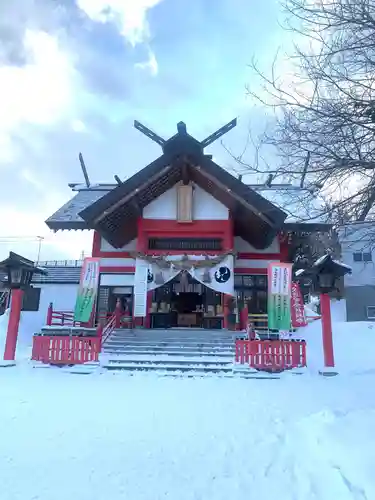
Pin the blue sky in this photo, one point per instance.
(75, 74)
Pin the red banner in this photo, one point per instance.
(297, 307)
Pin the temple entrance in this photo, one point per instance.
(185, 303)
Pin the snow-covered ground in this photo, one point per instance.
(91, 437)
(116, 436)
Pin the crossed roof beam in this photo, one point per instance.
(181, 129)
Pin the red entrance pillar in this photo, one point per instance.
(118, 313)
(244, 317)
(325, 311)
(14, 321)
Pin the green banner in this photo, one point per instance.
(87, 291)
(279, 296)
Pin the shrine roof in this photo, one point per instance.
(67, 217)
(126, 201)
(113, 209)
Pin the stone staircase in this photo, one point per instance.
(185, 351)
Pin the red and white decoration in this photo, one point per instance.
(297, 309)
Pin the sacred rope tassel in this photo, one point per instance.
(184, 282)
(206, 276)
(159, 280)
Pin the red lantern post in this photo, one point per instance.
(13, 325)
(20, 272)
(325, 311)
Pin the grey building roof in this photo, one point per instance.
(67, 272)
(83, 199)
(300, 204)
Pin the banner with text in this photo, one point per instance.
(140, 288)
(88, 289)
(279, 296)
(298, 308)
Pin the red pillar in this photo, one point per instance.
(147, 321)
(49, 314)
(118, 313)
(14, 321)
(244, 317)
(96, 244)
(325, 311)
(226, 311)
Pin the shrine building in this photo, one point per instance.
(182, 242)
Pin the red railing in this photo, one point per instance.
(60, 318)
(60, 350)
(105, 330)
(271, 355)
(66, 318)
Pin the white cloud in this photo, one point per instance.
(32, 179)
(130, 15)
(78, 126)
(150, 65)
(41, 92)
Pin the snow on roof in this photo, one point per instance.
(56, 274)
(342, 264)
(300, 204)
(93, 187)
(325, 257)
(357, 231)
(83, 199)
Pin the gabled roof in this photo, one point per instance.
(67, 217)
(114, 210)
(115, 214)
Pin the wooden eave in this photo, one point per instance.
(115, 215)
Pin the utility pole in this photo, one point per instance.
(40, 240)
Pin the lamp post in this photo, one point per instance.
(325, 272)
(20, 272)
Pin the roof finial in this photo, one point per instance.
(181, 128)
(149, 133)
(216, 135)
(84, 170)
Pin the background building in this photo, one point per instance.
(357, 246)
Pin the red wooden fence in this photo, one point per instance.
(60, 318)
(65, 350)
(271, 355)
(105, 330)
(66, 318)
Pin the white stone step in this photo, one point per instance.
(171, 341)
(175, 334)
(185, 351)
(175, 367)
(163, 358)
(169, 352)
(166, 333)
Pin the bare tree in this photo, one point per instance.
(324, 126)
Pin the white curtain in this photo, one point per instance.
(140, 288)
(220, 277)
(155, 273)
